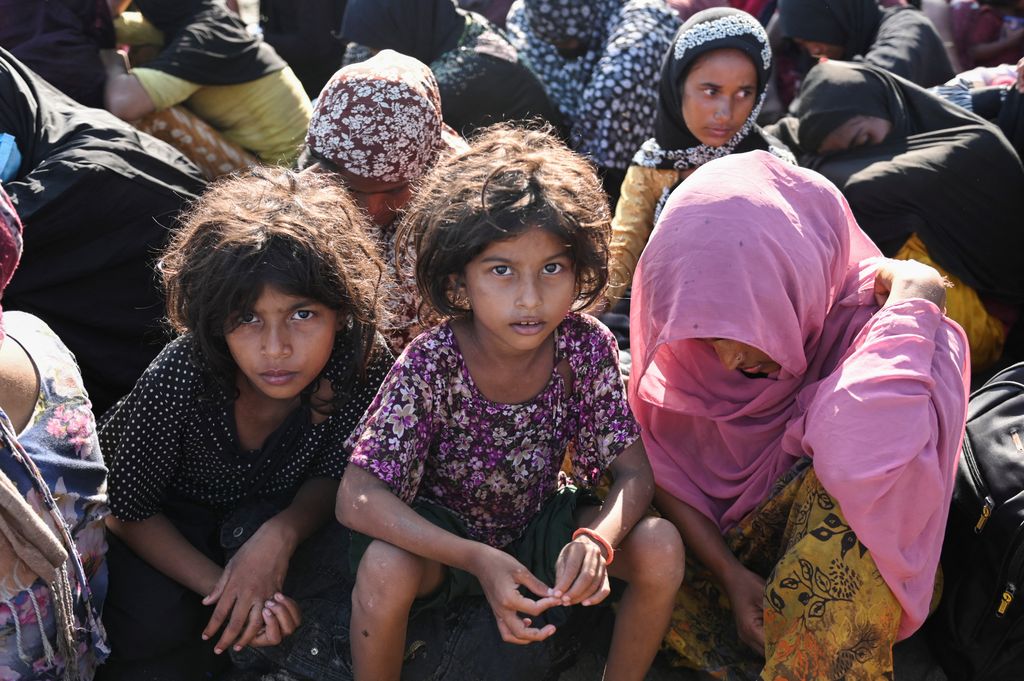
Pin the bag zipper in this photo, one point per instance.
(1012, 580)
(1013, 572)
(980, 487)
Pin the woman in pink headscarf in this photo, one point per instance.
(802, 402)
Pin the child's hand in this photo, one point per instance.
(501, 575)
(581, 575)
(745, 590)
(250, 578)
(281, 617)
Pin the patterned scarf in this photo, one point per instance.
(381, 119)
(673, 144)
(30, 549)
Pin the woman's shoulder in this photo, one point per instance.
(39, 340)
(62, 424)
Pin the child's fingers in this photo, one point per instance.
(601, 591)
(568, 567)
(530, 581)
(284, 617)
(220, 613)
(587, 578)
(236, 624)
(530, 606)
(283, 602)
(271, 634)
(252, 627)
(515, 629)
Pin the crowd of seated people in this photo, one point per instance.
(380, 339)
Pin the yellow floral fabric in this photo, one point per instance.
(828, 614)
(985, 333)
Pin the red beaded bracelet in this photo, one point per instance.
(602, 542)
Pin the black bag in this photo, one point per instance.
(977, 633)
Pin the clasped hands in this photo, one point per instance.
(581, 577)
(249, 603)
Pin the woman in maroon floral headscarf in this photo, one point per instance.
(378, 126)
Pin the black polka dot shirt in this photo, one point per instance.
(173, 437)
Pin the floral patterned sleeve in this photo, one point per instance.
(394, 437)
(606, 424)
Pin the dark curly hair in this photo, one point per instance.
(302, 234)
(511, 179)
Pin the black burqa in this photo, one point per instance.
(61, 41)
(96, 198)
(478, 71)
(901, 40)
(206, 44)
(944, 173)
(305, 34)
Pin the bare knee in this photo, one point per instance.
(655, 554)
(388, 577)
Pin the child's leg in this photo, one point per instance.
(388, 581)
(650, 560)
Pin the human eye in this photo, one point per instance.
(246, 318)
(501, 270)
(710, 91)
(553, 268)
(303, 314)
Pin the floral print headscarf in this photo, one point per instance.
(10, 245)
(380, 119)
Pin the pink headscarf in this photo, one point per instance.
(755, 250)
(380, 119)
(10, 245)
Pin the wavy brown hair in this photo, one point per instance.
(511, 179)
(299, 233)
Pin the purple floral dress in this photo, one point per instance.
(65, 457)
(431, 434)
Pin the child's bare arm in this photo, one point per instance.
(367, 505)
(158, 542)
(257, 571)
(581, 576)
(744, 588)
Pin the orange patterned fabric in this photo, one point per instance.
(828, 612)
(198, 140)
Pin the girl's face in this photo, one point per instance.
(282, 344)
(718, 95)
(519, 290)
(740, 356)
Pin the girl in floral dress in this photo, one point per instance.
(455, 477)
(53, 577)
